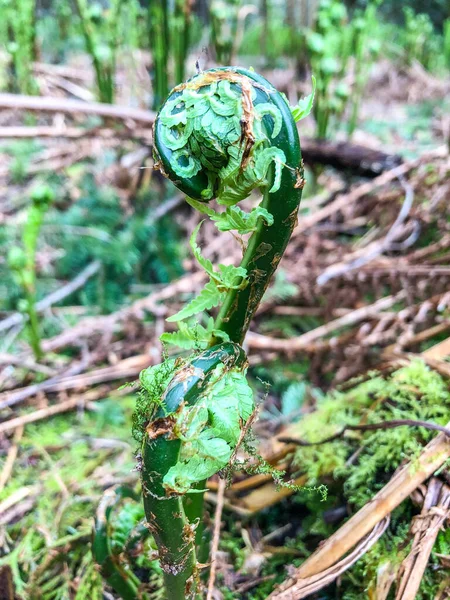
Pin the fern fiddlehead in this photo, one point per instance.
(221, 135)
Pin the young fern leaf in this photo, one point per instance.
(210, 430)
(209, 297)
(234, 218)
(203, 262)
(304, 105)
(227, 278)
(190, 337)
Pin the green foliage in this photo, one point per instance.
(226, 278)
(272, 38)
(193, 335)
(447, 42)
(210, 429)
(202, 127)
(418, 38)
(22, 261)
(224, 28)
(330, 46)
(131, 250)
(104, 30)
(304, 105)
(413, 392)
(171, 28)
(48, 549)
(101, 51)
(234, 218)
(154, 381)
(18, 36)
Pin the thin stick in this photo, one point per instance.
(255, 340)
(312, 584)
(56, 409)
(90, 325)
(376, 248)
(47, 131)
(11, 457)
(58, 105)
(426, 528)
(128, 367)
(216, 538)
(343, 201)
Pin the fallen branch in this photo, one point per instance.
(62, 407)
(425, 527)
(46, 131)
(346, 156)
(91, 325)
(369, 427)
(377, 248)
(61, 105)
(129, 367)
(342, 202)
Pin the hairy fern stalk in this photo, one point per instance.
(221, 135)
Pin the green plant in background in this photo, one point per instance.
(221, 135)
(224, 28)
(132, 249)
(365, 46)
(159, 44)
(447, 42)
(421, 40)
(22, 260)
(333, 45)
(169, 36)
(181, 27)
(105, 31)
(417, 37)
(329, 48)
(100, 31)
(18, 36)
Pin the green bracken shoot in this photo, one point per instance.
(19, 33)
(220, 135)
(22, 260)
(100, 30)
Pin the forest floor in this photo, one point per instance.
(352, 331)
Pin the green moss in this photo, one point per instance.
(414, 392)
(154, 381)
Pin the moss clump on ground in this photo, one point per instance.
(358, 464)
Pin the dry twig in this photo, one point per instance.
(216, 538)
(425, 527)
(63, 105)
(11, 457)
(306, 586)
